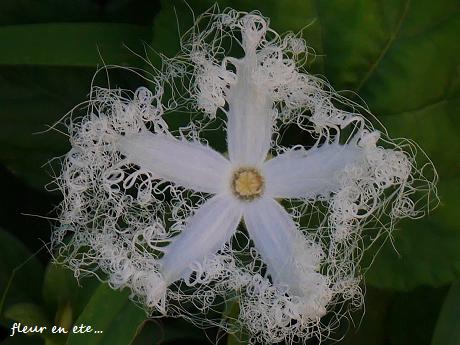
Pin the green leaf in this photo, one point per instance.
(447, 331)
(397, 54)
(176, 331)
(233, 339)
(61, 288)
(66, 297)
(20, 272)
(392, 318)
(28, 313)
(412, 316)
(112, 313)
(427, 249)
(23, 340)
(36, 317)
(49, 11)
(72, 44)
(230, 315)
(367, 328)
(32, 100)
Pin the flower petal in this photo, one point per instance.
(189, 164)
(307, 174)
(206, 232)
(291, 260)
(250, 117)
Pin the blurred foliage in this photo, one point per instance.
(400, 56)
(447, 331)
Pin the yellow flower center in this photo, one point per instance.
(247, 183)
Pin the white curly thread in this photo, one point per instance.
(118, 218)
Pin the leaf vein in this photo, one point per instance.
(387, 46)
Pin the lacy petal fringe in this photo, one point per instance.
(152, 209)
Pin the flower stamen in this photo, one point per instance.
(247, 183)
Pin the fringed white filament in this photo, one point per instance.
(123, 186)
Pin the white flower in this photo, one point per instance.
(159, 213)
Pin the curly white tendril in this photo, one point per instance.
(277, 229)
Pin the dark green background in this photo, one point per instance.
(402, 59)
